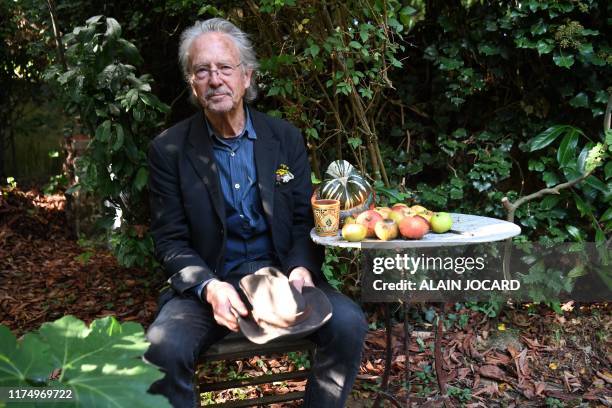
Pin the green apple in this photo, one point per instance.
(441, 222)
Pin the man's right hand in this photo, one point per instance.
(224, 301)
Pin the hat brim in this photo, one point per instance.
(320, 313)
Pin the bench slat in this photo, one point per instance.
(237, 348)
(265, 401)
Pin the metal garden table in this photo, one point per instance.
(467, 229)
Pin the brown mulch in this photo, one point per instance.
(529, 356)
(45, 274)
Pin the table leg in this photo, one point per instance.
(384, 391)
(407, 337)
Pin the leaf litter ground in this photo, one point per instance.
(529, 356)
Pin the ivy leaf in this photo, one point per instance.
(545, 46)
(355, 142)
(102, 363)
(25, 362)
(580, 101)
(550, 178)
(488, 50)
(564, 61)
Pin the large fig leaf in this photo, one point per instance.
(102, 363)
(25, 362)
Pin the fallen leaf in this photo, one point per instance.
(494, 372)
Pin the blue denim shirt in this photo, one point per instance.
(248, 237)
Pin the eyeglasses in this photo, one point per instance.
(205, 71)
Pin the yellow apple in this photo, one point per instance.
(354, 232)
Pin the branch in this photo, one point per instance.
(511, 207)
(608, 114)
(58, 39)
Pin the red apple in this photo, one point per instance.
(413, 227)
(368, 219)
(398, 206)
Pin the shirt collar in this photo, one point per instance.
(249, 130)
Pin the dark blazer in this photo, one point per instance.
(188, 210)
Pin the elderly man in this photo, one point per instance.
(230, 193)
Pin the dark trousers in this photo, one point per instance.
(185, 327)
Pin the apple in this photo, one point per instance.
(384, 211)
(368, 219)
(407, 212)
(413, 227)
(426, 214)
(349, 220)
(386, 230)
(418, 209)
(398, 206)
(354, 232)
(441, 222)
(396, 215)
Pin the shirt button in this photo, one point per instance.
(232, 154)
(236, 186)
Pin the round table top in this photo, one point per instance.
(467, 229)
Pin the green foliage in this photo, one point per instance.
(55, 184)
(451, 106)
(300, 359)
(101, 363)
(464, 395)
(100, 86)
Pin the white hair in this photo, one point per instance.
(246, 52)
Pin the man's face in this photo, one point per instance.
(211, 55)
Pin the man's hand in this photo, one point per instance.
(225, 303)
(300, 277)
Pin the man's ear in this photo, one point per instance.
(248, 75)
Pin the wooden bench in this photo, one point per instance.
(235, 347)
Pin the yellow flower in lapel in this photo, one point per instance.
(283, 175)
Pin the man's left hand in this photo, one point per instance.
(300, 277)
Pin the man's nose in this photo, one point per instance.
(215, 79)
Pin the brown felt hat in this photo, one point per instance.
(278, 309)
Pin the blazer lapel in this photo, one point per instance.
(201, 156)
(266, 161)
